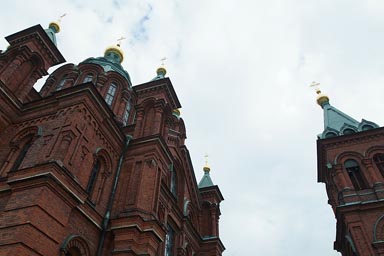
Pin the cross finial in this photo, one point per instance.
(61, 17)
(206, 159)
(119, 40)
(162, 60)
(316, 86)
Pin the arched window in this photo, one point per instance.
(126, 113)
(88, 78)
(93, 176)
(354, 172)
(110, 94)
(61, 84)
(169, 241)
(379, 161)
(22, 154)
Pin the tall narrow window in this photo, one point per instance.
(22, 154)
(60, 85)
(126, 113)
(93, 176)
(110, 94)
(173, 185)
(169, 240)
(354, 172)
(379, 161)
(88, 78)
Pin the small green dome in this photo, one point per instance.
(111, 61)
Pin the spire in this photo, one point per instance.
(54, 28)
(114, 53)
(337, 122)
(206, 180)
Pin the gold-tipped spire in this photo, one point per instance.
(206, 167)
(55, 25)
(321, 98)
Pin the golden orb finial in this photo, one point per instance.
(321, 98)
(161, 71)
(206, 167)
(176, 112)
(114, 52)
(55, 25)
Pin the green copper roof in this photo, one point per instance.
(206, 180)
(338, 123)
(110, 62)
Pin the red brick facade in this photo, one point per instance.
(84, 174)
(350, 167)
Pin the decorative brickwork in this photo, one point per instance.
(83, 174)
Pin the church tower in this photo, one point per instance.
(351, 164)
(94, 165)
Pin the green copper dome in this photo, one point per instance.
(111, 61)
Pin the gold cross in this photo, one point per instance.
(162, 60)
(119, 40)
(314, 84)
(61, 17)
(206, 159)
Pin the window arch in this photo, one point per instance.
(19, 147)
(379, 161)
(88, 78)
(355, 175)
(111, 94)
(74, 245)
(61, 84)
(100, 171)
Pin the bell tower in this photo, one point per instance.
(351, 164)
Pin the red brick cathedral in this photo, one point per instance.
(351, 164)
(92, 165)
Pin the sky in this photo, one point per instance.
(242, 71)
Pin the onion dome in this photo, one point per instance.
(160, 73)
(321, 99)
(111, 61)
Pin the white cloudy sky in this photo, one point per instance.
(241, 70)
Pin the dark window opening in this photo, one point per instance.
(93, 176)
(22, 153)
(354, 172)
(169, 241)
